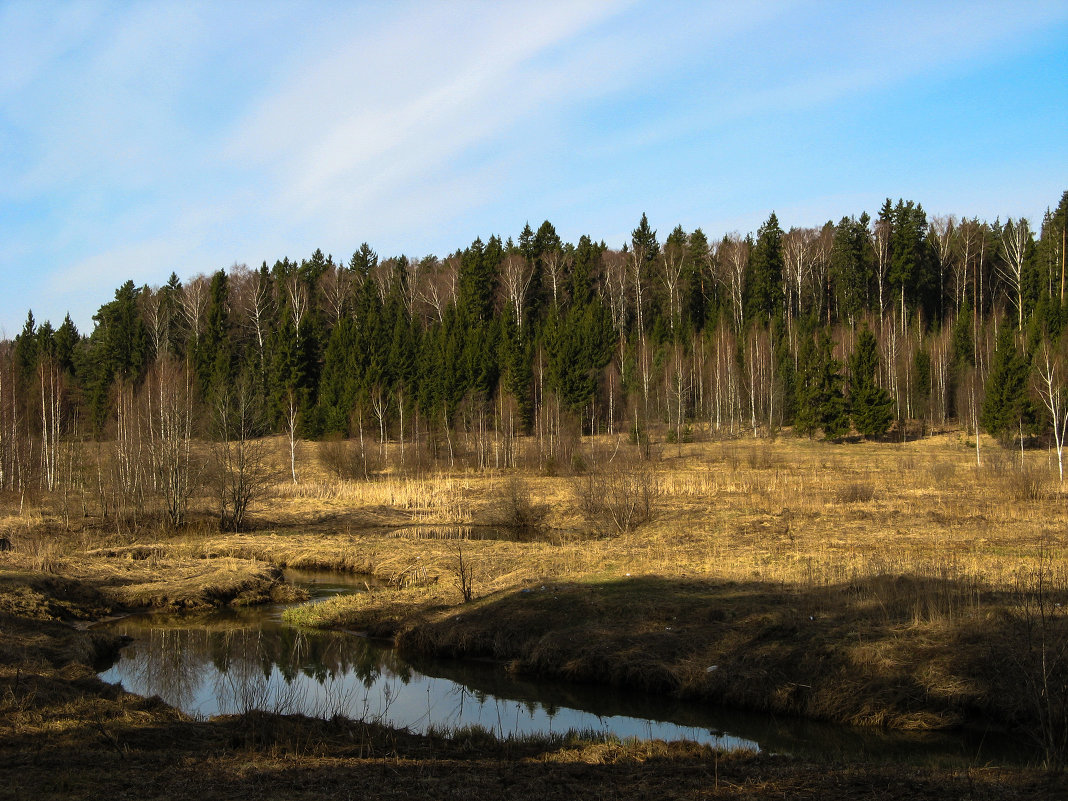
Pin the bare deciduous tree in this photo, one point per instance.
(671, 261)
(798, 246)
(242, 469)
(1014, 240)
(439, 289)
(194, 303)
(732, 259)
(252, 298)
(555, 264)
(944, 231)
(880, 239)
(516, 274)
(1049, 383)
(336, 286)
(168, 403)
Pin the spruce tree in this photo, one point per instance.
(871, 405)
(763, 286)
(643, 241)
(820, 403)
(1005, 407)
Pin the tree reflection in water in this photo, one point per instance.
(231, 663)
(237, 661)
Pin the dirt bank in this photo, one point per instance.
(64, 734)
(830, 653)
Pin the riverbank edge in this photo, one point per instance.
(747, 646)
(69, 735)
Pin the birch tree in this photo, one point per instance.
(732, 259)
(1014, 238)
(1049, 382)
(516, 274)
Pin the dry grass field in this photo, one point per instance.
(885, 584)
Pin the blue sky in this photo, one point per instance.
(142, 138)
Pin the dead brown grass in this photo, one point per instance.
(66, 735)
(912, 544)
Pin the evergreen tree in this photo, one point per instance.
(26, 350)
(871, 405)
(585, 260)
(763, 286)
(580, 345)
(363, 261)
(852, 267)
(912, 262)
(118, 349)
(785, 374)
(213, 354)
(643, 241)
(66, 341)
(1005, 408)
(477, 281)
(698, 285)
(820, 403)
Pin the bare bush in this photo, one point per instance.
(348, 459)
(618, 498)
(763, 458)
(335, 456)
(463, 571)
(1028, 484)
(1039, 649)
(514, 508)
(855, 492)
(242, 470)
(942, 472)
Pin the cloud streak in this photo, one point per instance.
(140, 139)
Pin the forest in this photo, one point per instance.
(892, 325)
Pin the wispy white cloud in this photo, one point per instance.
(136, 139)
(360, 125)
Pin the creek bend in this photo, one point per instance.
(237, 660)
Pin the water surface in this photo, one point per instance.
(236, 660)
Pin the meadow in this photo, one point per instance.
(891, 584)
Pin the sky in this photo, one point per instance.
(143, 138)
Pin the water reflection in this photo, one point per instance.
(220, 664)
(235, 661)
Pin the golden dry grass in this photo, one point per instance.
(787, 511)
(904, 547)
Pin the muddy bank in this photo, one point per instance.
(825, 653)
(97, 583)
(64, 734)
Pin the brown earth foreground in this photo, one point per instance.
(894, 586)
(64, 734)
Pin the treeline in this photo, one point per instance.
(860, 325)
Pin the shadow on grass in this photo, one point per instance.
(899, 652)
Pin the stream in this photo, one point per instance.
(237, 660)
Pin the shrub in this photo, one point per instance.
(856, 492)
(515, 509)
(347, 460)
(616, 499)
(1028, 484)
